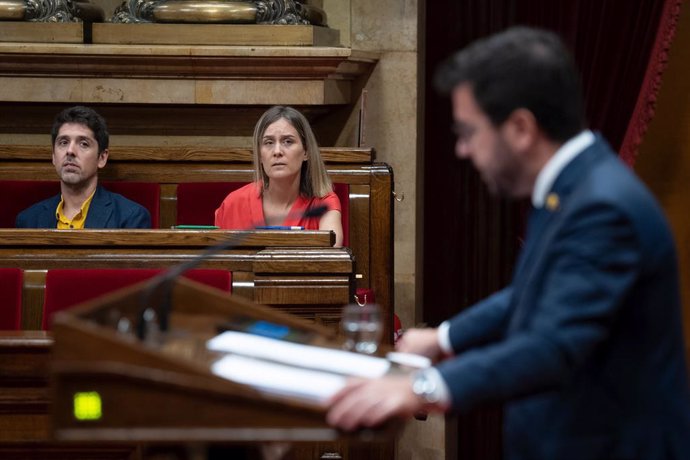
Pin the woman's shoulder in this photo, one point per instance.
(330, 200)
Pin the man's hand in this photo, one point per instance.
(368, 403)
(421, 342)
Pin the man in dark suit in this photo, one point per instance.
(585, 345)
(80, 148)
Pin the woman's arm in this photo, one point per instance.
(331, 221)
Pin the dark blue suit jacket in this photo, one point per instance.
(586, 343)
(107, 210)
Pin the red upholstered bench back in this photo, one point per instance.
(198, 201)
(146, 194)
(11, 280)
(343, 192)
(68, 287)
(17, 195)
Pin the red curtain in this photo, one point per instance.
(620, 47)
(647, 96)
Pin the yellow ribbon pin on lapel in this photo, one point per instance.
(552, 202)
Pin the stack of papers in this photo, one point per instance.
(286, 368)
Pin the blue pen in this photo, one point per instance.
(279, 227)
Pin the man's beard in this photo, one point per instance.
(71, 178)
(504, 179)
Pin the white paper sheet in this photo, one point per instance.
(408, 359)
(305, 356)
(278, 378)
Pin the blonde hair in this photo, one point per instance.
(314, 180)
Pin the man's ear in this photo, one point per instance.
(521, 130)
(102, 159)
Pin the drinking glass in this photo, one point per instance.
(362, 327)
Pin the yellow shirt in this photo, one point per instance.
(63, 223)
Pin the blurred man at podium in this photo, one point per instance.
(585, 345)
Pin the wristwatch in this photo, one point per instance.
(425, 387)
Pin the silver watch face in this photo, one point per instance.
(424, 387)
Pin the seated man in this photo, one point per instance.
(80, 149)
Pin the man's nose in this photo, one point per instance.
(71, 148)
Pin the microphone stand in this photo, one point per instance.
(165, 280)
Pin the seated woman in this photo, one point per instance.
(289, 179)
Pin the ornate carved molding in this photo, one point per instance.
(280, 12)
(293, 12)
(134, 11)
(50, 11)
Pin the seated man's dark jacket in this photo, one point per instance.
(107, 210)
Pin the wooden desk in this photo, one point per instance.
(25, 401)
(298, 272)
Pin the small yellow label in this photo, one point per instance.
(87, 405)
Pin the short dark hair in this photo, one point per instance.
(84, 116)
(520, 68)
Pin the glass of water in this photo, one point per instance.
(362, 327)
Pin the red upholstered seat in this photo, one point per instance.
(68, 287)
(147, 194)
(11, 280)
(17, 195)
(198, 201)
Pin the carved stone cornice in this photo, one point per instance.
(232, 62)
(168, 74)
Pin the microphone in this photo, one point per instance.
(164, 282)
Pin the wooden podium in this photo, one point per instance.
(110, 386)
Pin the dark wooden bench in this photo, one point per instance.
(370, 219)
